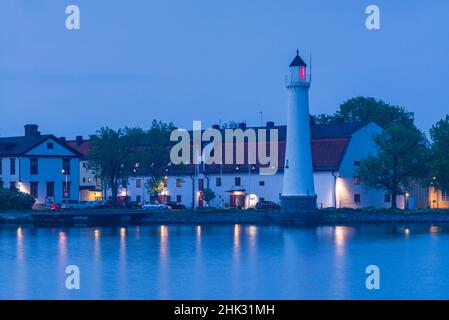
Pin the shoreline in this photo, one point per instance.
(140, 217)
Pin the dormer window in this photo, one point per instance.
(50, 146)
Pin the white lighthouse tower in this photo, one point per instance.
(298, 194)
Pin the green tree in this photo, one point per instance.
(368, 109)
(154, 157)
(439, 159)
(400, 161)
(154, 187)
(208, 195)
(112, 155)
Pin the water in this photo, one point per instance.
(225, 262)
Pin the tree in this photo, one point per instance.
(154, 156)
(401, 160)
(112, 155)
(208, 195)
(439, 159)
(154, 187)
(366, 109)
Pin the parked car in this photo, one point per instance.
(154, 206)
(263, 205)
(99, 204)
(78, 205)
(175, 205)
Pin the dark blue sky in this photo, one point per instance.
(179, 61)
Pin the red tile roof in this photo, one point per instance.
(82, 148)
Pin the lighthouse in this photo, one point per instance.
(298, 192)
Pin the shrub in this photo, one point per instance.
(13, 199)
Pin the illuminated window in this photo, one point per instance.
(445, 196)
(302, 73)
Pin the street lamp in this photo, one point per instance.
(66, 193)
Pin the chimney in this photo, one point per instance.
(62, 139)
(242, 125)
(270, 124)
(31, 130)
(216, 126)
(79, 140)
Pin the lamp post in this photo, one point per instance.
(66, 193)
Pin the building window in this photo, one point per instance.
(302, 72)
(200, 184)
(356, 163)
(33, 189)
(66, 166)
(445, 196)
(387, 197)
(357, 198)
(50, 189)
(357, 180)
(178, 183)
(139, 199)
(138, 183)
(66, 189)
(34, 167)
(178, 198)
(12, 185)
(261, 183)
(50, 146)
(218, 182)
(237, 181)
(12, 166)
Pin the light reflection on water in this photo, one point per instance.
(225, 262)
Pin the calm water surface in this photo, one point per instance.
(225, 262)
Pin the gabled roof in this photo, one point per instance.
(19, 146)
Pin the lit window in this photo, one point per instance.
(302, 73)
(445, 196)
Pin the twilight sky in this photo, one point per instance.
(210, 60)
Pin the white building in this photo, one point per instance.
(90, 188)
(336, 152)
(41, 165)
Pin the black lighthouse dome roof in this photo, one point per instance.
(298, 62)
